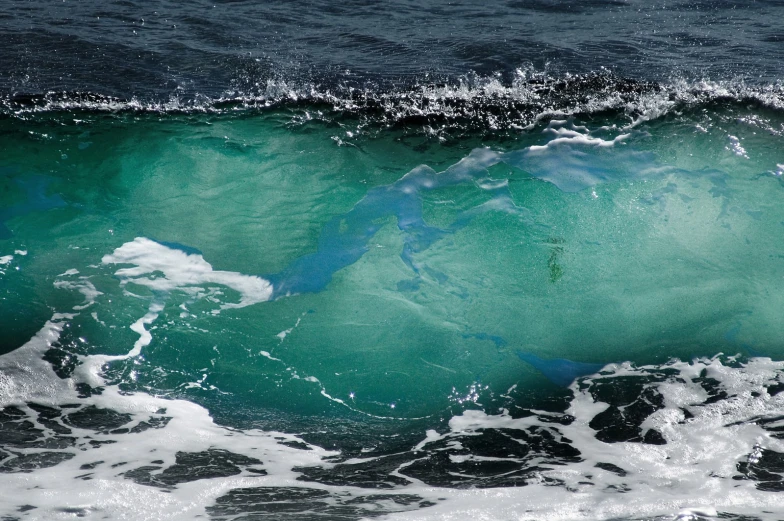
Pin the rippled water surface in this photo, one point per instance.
(517, 261)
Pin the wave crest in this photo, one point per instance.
(471, 103)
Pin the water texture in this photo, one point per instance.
(517, 261)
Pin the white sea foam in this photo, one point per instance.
(181, 270)
(83, 285)
(574, 159)
(286, 332)
(530, 97)
(736, 147)
(692, 475)
(101, 476)
(574, 137)
(25, 376)
(59, 492)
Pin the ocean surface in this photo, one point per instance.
(516, 260)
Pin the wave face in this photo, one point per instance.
(323, 325)
(508, 262)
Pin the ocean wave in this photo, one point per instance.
(473, 103)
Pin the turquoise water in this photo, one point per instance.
(610, 244)
(267, 286)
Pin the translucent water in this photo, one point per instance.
(275, 315)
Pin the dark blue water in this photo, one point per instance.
(224, 48)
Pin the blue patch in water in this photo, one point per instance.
(409, 285)
(177, 246)
(34, 187)
(559, 370)
(732, 336)
(344, 239)
(5, 233)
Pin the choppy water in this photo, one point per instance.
(299, 261)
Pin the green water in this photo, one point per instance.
(673, 254)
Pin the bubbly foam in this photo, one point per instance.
(120, 451)
(692, 472)
(470, 102)
(181, 271)
(717, 418)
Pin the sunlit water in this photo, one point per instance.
(471, 287)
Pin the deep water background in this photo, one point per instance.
(165, 49)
